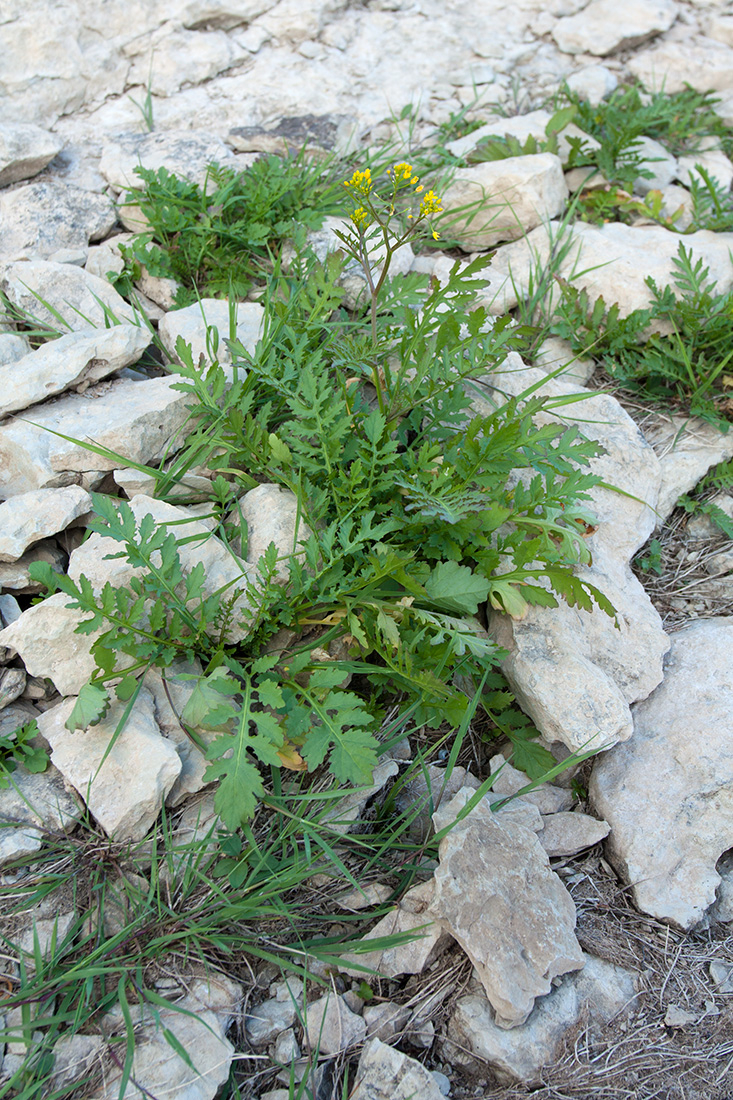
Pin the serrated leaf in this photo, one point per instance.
(207, 706)
(530, 758)
(92, 704)
(456, 587)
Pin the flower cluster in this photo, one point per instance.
(360, 183)
(402, 178)
(361, 218)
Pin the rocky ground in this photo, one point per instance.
(575, 943)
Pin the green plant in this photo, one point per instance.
(651, 561)
(220, 238)
(412, 523)
(719, 479)
(689, 365)
(21, 747)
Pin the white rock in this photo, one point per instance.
(599, 992)
(512, 196)
(657, 160)
(687, 447)
(13, 347)
(12, 685)
(186, 153)
(171, 57)
(271, 516)
(77, 359)
(170, 696)
(25, 150)
(521, 127)
(81, 301)
(555, 353)
(667, 793)
(566, 834)
(32, 805)
(604, 26)
(32, 516)
(385, 1019)
(331, 1026)
(593, 83)
(205, 327)
(495, 894)
(429, 788)
(105, 258)
(224, 14)
(44, 637)
(199, 1022)
(670, 66)
(125, 792)
(387, 1074)
(509, 781)
(42, 63)
(74, 1057)
(677, 205)
(265, 1022)
(715, 163)
(41, 218)
(16, 575)
(408, 958)
(136, 420)
(613, 261)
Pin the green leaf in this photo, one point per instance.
(92, 704)
(456, 587)
(531, 758)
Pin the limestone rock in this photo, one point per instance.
(687, 447)
(427, 790)
(658, 161)
(385, 1019)
(521, 127)
(667, 793)
(387, 1074)
(127, 791)
(199, 1022)
(223, 14)
(171, 57)
(613, 261)
(509, 781)
(702, 63)
(408, 958)
(77, 359)
(16, 575)
(136, 420)
(265, 1022)
(44, 637)
(566, 834)
(105, 258)
(74, 1057)
(495, 894)
(25, 150)
(594, 83)
(512, 196)
(598, 993)
(376, 893)
(32, 516)
(12, 685)
(33, 804)
(186, 153)
(13, 347)
(331, 1026)
(604, 26)
(78, 298)
(42, 218)
(42, 64)
(715, 163)
(192, 323)
(271, 515)
(557, 354)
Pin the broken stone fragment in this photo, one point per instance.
(387, 1074)
(566, 833)
(29, 517)
(597, 993)
(331, 1026)
(411, 915)
(125, 791)
(496, 894)
(668, 792)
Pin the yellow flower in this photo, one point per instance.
(430, 204)
(361, 182)
(361, 218)
(436, 236)
(419, 189)
(402, 171)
